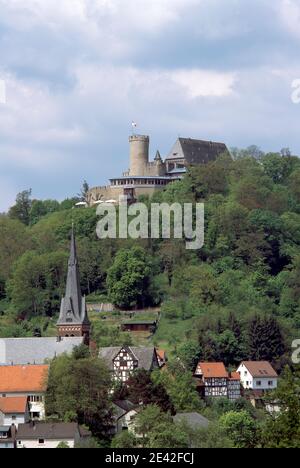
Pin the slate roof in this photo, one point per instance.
(145, 356)
(73, 306)
(13, 405)
(24, 351)
(19, 379)
(123, 407)
(198, 151)
(260, 369)
(50, 431)
(193, 420)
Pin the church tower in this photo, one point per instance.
(73, 318)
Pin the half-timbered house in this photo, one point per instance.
(213, 379)
(122, 362)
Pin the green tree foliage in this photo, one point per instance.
(15, 240)
(21, 210)
(282, 430)
(180, 386)
(266, 342)
(157, 430)
(240, 428)
(41, 208)
(129, 278)
(37, 284)
(78, 388)
(141, 388)
(124, 440)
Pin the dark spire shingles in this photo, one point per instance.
(73, 306)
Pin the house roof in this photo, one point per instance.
(50, 431)
(235, 376)
(18, 379)
(194, 420)
(198, 151)
(161, 353)
(136, 322)
(144, 356)
(213, 370)
(261, 369)
(13, 405)
(24, 351)
(123, 407)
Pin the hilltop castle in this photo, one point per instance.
(145, 177)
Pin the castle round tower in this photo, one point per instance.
(139, 155)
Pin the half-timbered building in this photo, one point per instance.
(122, 362)
(213, 379)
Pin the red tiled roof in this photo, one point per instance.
(235, 376)
(13, 405)
(15, 379)
(161, 354)
(260, 369)
(213, 370)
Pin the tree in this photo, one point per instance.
(63, 445)
(124, 440)
(142, 389)
(266, 341)
(130, 277)
(41, 208)
(15, 240)
(84, 191)
(80, 387)
(180, 386)
(168, 436)
(21, 210)
(189, 354)
(37, 284)
(241, 428)
(282, 429)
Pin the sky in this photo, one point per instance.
(74, 74)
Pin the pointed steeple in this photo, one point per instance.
(73, 318)
(158, 157)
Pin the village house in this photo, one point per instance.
(7, 437)
(27, 382)
(162, 357)
(50, 435)
(122, 362)
(213, 381)
(258, 375)
(14, 410)
(124, 415)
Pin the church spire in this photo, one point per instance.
(73, 318)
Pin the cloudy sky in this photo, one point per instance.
(77, 72)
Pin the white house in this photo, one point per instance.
(258, 375)
(26, 381)
(50, 435)
(125, 413)
(14, 410)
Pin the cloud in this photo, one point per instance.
(77, 72)
(205, 83)
(289, 12)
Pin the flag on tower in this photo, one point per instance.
(134, 124)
